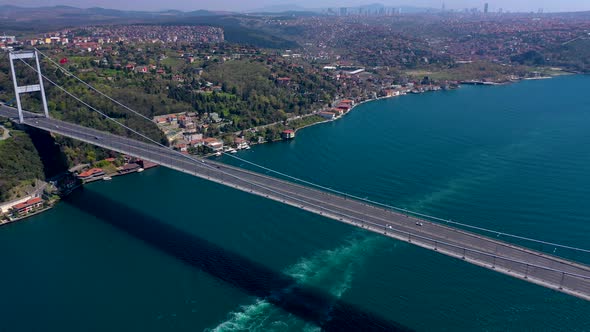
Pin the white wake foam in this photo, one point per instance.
(328, 269)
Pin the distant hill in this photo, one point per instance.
(14, 18)
(404, 9)
(296, 10)
(279, 9)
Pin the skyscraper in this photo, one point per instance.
(485, 8)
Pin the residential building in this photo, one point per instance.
(28, 206)
(214, 144)
(91, 174)
(288, 134)
(327, 115)
(240, 143)
(129, 168)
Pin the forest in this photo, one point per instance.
(20, 162)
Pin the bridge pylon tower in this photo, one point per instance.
(18, 90)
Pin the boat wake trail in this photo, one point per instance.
(332, 270)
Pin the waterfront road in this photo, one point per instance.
(530, 265)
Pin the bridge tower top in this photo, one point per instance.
(18, 90)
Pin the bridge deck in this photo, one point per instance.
(533, 266)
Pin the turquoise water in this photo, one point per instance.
(162, 250)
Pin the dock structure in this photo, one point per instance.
(524, 263)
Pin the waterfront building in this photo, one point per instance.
(344, 107)
(338, 111)
(214, 144)
(327, 115)
(240, 143)
(129, 168)
(91, 174)
(26, 207)
(288, 134)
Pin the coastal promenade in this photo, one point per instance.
(520, 262)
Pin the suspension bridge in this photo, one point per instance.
(442, 236)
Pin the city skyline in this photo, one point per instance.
(235, 5)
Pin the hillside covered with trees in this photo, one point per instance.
(20, 164)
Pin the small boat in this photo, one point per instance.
(218, 154)
(107, 178)
(233, 151)
(139, 170)
(247, 147)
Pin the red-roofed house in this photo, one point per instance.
(284, 80)
(181, 146)
(28, 206)
(327, 115)
(128, 168)
(240, 143)
(288, 134)
(91, 174)
(337, 111)
(214, 144)
(343, 106)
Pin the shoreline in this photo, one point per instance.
(7, 220)
(15, 220)
(471, 82)
(388, 97)
(278, 140)
(349, 111)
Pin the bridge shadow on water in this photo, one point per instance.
(309, 303)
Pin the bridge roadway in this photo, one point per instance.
(530, 265)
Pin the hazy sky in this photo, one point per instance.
(240, 5)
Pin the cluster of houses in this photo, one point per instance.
(93, 37)
(330, 37)
(342, 108)
(196, 140)
(185, 130)
(399, 90)
(7, 41)
(173, 125)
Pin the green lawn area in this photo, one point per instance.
(108, 72)
(470, 71)
(418, 73)
(173, 62)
